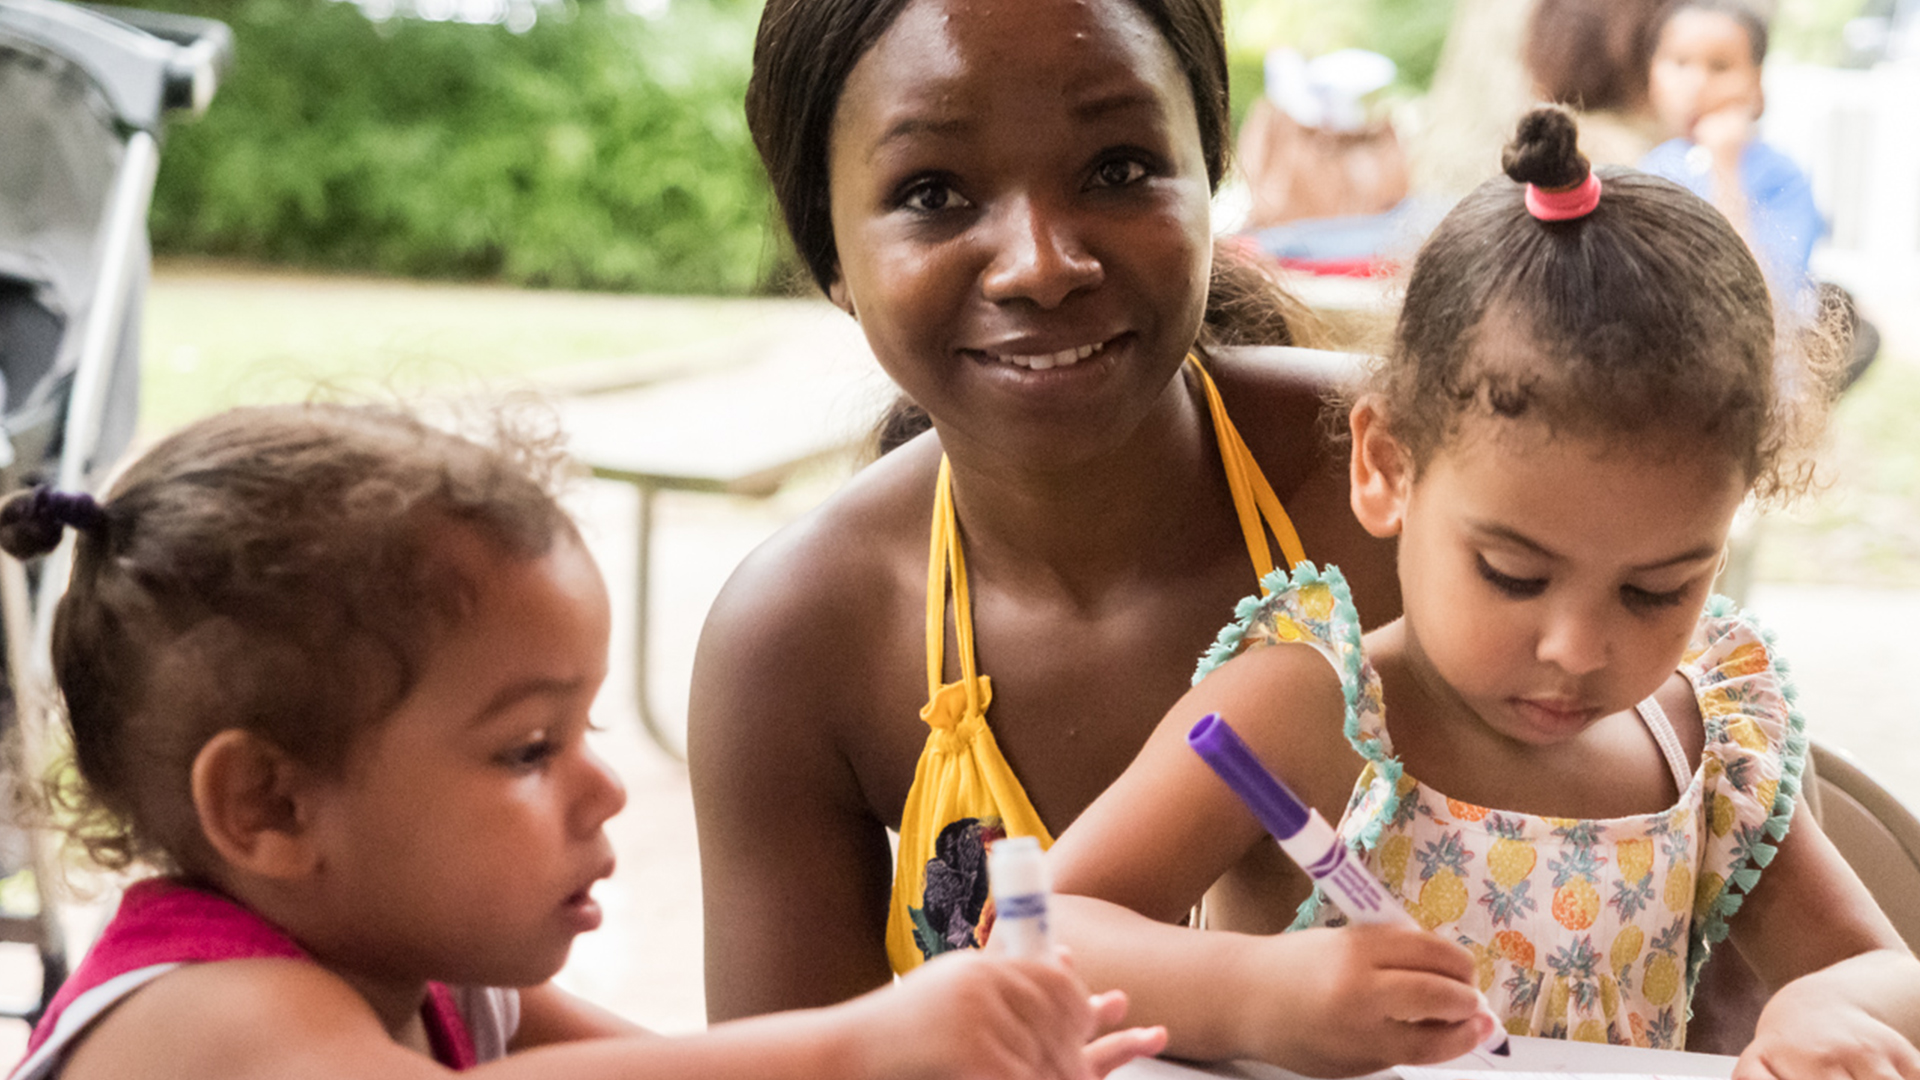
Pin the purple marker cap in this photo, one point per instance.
(1279, 809)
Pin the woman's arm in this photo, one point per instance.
(1322, 1002)
(795, 870)
(1848, 990)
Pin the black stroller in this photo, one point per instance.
(84, 96)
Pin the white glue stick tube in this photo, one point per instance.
(1017, 871)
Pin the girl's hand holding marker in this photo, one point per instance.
(1308, 840)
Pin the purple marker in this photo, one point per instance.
(1305, 836)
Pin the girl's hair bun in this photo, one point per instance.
(32, 522)
(1545, 150)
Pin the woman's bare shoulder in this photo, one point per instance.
(1284, 403)
(809, 661)
(843, 565)
(820, 624)
(1309, 371)
(1279, 398)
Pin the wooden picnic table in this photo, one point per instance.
(769, 407)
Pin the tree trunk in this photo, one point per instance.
(1479, 91)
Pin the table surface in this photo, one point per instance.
(794, 399)
(1529, 1055)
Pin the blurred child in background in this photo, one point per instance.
(1704, 82)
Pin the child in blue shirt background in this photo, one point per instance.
(1704, 82)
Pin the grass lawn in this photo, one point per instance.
(1863, 527)
(218, 336)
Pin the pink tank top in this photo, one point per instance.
(162, 923)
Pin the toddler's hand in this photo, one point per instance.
(1807, 1036)
(1726, 131)
(1109, 1052)
(969, 1016)
(1369, 997)
(1117, 1047)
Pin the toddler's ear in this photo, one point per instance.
(1382, 474)
(246, 791)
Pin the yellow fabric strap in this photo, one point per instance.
(1253, 497)
(964, 793)
(962, 781)
(945, 559)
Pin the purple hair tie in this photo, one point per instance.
(72, 508)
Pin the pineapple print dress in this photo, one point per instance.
(1589, 930)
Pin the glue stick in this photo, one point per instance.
(1017, 872)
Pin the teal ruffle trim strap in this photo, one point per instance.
(1746, 874)
(1254, 622)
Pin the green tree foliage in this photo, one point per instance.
(1811, 31)
(599, 150)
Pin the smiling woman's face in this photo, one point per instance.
(1020, 203)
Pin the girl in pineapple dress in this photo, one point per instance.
(1578, 927)
(1578, 770)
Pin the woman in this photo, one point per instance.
(1013, 202)
(1592, 55)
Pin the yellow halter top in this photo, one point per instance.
(964, 795)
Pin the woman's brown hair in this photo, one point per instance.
(1592, 54)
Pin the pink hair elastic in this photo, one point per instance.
(1567, 204)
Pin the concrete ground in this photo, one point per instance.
(1853, 651)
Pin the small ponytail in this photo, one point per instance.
(32, 522)
(1545, 151)
(1545, 156)
(1646, 312)
(1247, 304)
(902, 422)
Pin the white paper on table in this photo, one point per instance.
(1531, 1059)
(1441, 1072)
